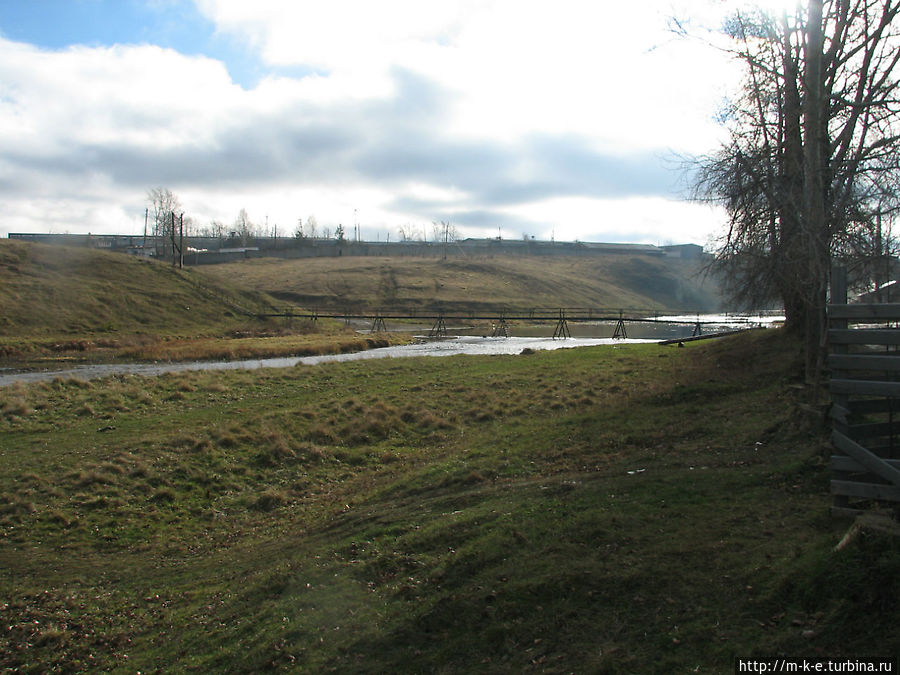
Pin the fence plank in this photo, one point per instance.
(873, 405)
(865, 312)
(865, 387)
(864, 336)
(887, 363)
(872, 430)
(865, 490)
(870, 461)
(845, 463)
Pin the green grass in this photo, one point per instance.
(621, 509)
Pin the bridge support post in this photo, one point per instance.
(620, 333)
(500, 328)
(562, 327)
(378, 324)
(439, 329)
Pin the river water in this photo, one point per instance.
(583, 335)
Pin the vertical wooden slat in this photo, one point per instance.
(839, 297)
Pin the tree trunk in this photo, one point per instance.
(815, 225)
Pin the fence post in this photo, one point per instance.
(838, 297)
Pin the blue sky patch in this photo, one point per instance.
(173, 24)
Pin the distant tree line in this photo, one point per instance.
(163, 204)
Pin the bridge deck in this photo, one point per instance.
(576, 315)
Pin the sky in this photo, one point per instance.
(565, 120)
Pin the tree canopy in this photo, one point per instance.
(809, 173)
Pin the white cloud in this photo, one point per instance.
(609, 70)
(647, 220)
(535, 115)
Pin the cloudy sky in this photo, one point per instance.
(561, 119)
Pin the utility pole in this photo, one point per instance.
(179, 247)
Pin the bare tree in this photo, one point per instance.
(243, 227)
(811, 164)
(190, 226)
(163, 203)
(217, 229)
(444, 233)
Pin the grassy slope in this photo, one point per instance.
(61, 303)
(55, 291)
(613, 281)
(631, 509)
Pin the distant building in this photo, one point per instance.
(683, 251)
(209, 250)
(120, 243)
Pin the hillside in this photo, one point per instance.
(57, 291)
(70, 303)
(62, 304)
(613, 281)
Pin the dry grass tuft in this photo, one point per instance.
(164, 495)
(85, 410)
(225, 440)
(89, 478)
(15, 406)
(270, 500)
(274, 449)
(57, 517)
(13, 505)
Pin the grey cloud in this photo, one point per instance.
(386, 143)
(247, 156)
(492, 173)
(261, 152)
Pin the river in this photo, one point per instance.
(460, 344)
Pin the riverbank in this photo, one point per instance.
(628, 509)
(50, 355)
(376, 346)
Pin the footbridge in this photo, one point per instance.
(500, 318)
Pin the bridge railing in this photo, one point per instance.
(486, 312)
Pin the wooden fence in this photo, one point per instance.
(865, 392)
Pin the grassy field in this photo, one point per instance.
(612, 282)
(631, 509)
(62, 304)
